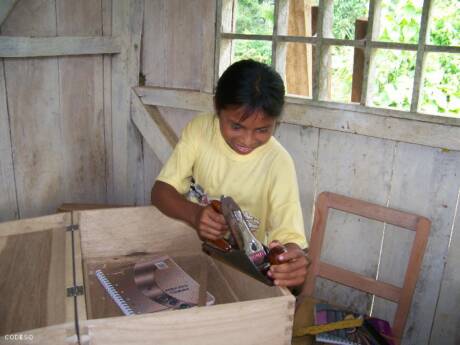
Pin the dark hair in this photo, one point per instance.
(253, 85)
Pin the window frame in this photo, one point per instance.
(224, 37)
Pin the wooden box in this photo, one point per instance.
(49, 295)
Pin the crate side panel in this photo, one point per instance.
(270, 322)
(33, 271)
(17, 227)
(124, 231)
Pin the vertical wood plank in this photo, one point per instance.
(154, 43)
(275, 54)
(373, 23)
(35, 130)
(447, 319)
(136, 164)
(208, 34)
(127, 154)
(183, 51)
(107, 71)
(359, 167)
(358, 62)
(33, 102)
(81, 99)
(417, 84)
(8, 202)
(302, 144)
(226, 21)
(217, 40)
(280, 54)
(425, 181)
(298, 56)
(179, 44)
(178, 51)
(81, 302)
(321, 59)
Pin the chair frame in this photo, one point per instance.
(402, 296)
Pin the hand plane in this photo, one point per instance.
(241, 249)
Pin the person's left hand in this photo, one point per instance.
(293, 267)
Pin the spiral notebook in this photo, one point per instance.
(150, 286)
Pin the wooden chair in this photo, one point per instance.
(402, 296)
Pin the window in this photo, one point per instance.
(397, 54)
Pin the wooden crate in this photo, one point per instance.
(40, 258)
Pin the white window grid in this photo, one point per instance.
(224, 36)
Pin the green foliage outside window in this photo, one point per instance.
(345, 14)
(399, 22)
(441, 78)
(254, 17)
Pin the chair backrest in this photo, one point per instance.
(402, 296)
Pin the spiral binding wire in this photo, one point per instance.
(125, 308)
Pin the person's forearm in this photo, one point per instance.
(174, 205)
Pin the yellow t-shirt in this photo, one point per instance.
(263, 183)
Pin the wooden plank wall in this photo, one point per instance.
(32, 89)
(54, 111)
(410, 177)
(81, 105)
(176, 33)
(63, 136)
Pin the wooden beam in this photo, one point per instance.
(225, 22)
(358, 61)
(368, 52)
(384, 127)
(442, 49)
(369, 210)
(81, 302)
(391, 45)
(107, 62)
(215, 77)
(420, 56)
(200, 101)
(29, 225)
(126, 142)
(322, 78)
(5, 9)
(298, 56)
(183, 99)
(158, 134)
(9, 208)
(20, 47)
(352, 279)
(275, 35)
(279, 48)
(434, 131)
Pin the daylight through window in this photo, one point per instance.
(397, 54)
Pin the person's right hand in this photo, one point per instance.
(210, 224)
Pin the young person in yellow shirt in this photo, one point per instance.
(234, 153)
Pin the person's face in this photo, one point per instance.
(245, 136)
